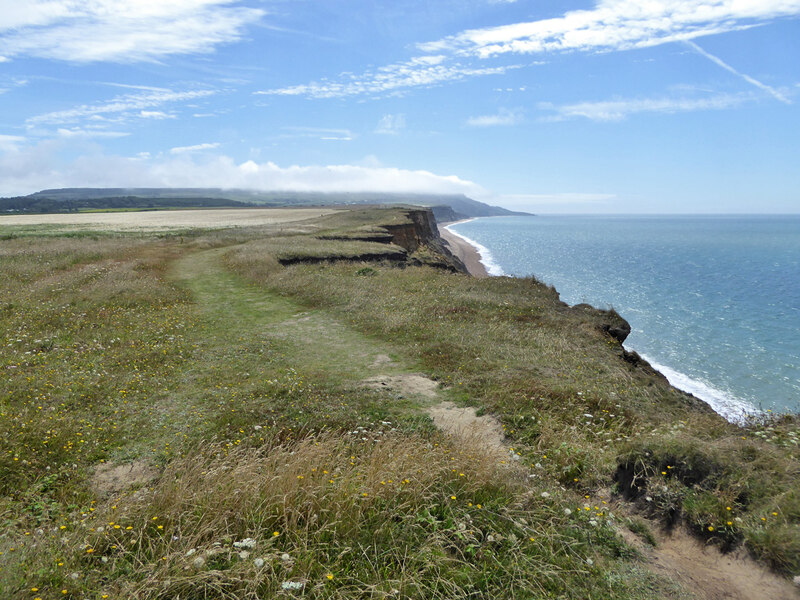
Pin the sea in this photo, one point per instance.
(713, 301)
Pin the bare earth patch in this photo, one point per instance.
(110, 478)
(485, 430)
(710, 574)
(407, 385)
(382, 360)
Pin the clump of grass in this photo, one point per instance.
(401, 517)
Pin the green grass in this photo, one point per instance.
(237, 382)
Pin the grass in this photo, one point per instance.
(236, 382)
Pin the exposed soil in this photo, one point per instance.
(404, 384)
(382, 360)
(708, 573)
(485, 430)
(110, 478)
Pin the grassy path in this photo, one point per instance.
(327, 349)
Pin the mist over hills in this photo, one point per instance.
(447, 207)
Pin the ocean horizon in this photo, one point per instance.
(713, 300)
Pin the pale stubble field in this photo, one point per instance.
(167, 219)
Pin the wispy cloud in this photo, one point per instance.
(619, 109)
(320, 133)
(422, 71)
(119, 30)
(155, 114)
(718, 61)
(195, 148)
(503, 117)
(120, 108)
(616, 25)
(77, 132)
(391, 124)
(10, 142)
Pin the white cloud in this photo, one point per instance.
(155, 114)
(616, 25)
(37, 167)
(119, 30)
(320, 133)
(619, 109)
(391, 124)
(120, 107)
(422, 71)
(195, 148)
(503, 117)
(10, 142)
(77, 132)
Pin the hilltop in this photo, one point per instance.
(447, 207)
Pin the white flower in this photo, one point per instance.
(589, 562)
(545, 495)
(292, 585)
(190, 551)
(259, 562)
(244, 555)
(567, 512)
(199, 562)
(245, 543)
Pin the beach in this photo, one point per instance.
(463, 250)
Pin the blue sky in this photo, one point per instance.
(613, 106)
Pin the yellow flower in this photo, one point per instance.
(452, 497)
(711, 528)
(329, 576)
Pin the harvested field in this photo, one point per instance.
(168, 219)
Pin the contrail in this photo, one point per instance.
(718, 61)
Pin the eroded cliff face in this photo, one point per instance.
(419, 231)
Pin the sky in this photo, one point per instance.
(606, 106)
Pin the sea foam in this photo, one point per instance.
(487, 260)
(733, 409)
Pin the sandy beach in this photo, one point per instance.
(465, 251)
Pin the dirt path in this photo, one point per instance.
(708, 573)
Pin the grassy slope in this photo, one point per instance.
(246, 394)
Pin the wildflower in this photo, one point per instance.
(292, 585)
(245, 543)
(329, 576)
(259, 562)
(452, 497)
(545, 495)
(711, 528)
(275, 534)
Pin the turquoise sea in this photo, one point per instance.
(713, 301)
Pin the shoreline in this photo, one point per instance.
(731, 409)
(463, 250)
